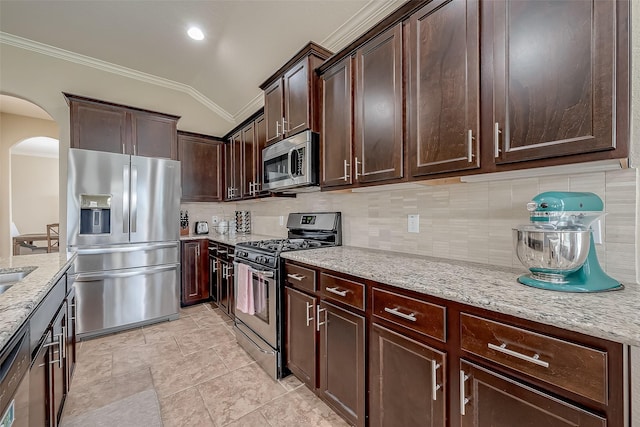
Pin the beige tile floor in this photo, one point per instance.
(188, 372)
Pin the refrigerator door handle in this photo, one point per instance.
(145, 247)
(125, 200)
(91, 277)
(134, 199)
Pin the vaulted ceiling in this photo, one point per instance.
(136, 52)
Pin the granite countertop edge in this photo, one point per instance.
(18, 302)
(609, 315)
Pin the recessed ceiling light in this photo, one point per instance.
(195, 33)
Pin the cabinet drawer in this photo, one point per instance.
(570, 366)
(300, 277)
(423, 317)
(343, 290)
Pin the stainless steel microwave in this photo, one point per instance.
(292, 165)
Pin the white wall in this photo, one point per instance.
(34, 192)
(14, 129)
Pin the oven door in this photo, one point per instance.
(259, 312)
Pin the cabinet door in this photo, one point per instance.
(444, 87)
(300, 339)
(337, 119)
(57, 363)
(223, 291)
(406, 381)
(195, 275)
(70, 339)
(553, 70)
(342, 361)
(483, 391)
(201, 168)
(273, 111)
(297, 105)
(248, 162)
(378, 108)
(153, 135)
(99, 127)
(233, 169)
(261, 142)
(213, 278)
(40, 386)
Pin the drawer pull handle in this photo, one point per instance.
(463, 400)
(396, 312)
(337, 291)
(434, 379)
(297, 277)
(535, 359)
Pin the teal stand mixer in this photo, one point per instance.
(558, 245)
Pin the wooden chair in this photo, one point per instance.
(53, 235)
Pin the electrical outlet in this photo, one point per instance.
(214, 219)
(413, 224)
(281, 220)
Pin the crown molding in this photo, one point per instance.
(370, 14)
(87, 61)
(252, 106)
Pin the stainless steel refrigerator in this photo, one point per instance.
(122, 220)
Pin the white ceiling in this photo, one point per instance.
(20, 107)
(137, 52)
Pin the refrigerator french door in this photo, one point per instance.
(122, 220)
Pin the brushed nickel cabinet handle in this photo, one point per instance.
(357, 173)
(297, 277)
(396, 312)
(470, 139)
(496, 139)
(346, 176)
(535, 359)
(337, 291)
(463, 400)
(318, 322)
(309, 319)
(278, 128)
(434, 379)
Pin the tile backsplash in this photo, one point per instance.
(464, 221)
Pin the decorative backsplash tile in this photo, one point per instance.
(469, 221)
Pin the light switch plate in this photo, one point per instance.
(281, 220)
(413, 223)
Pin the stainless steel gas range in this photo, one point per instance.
(259, 288)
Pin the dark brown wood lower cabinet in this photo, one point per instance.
(195, 271)
(301, 335)
(40, 387)
(494, 400)
(342, 361)
(406, 381)
(57, 363)
(225, 287)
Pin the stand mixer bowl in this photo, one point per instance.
(551, 254)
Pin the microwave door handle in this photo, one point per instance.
(290, 169)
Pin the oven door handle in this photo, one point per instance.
(267, 274)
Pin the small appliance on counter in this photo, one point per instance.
(184, 223)
(558, 245)
(243, 222)
(202, 227)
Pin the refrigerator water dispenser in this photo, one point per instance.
(95, 213)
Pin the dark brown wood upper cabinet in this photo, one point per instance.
(153, 135)
(248, 163)
(444, 88)
(201, 160)
(291, 95)
(378, 108)
(552, 70)
(273, 111)
(260, 142)
(337, 119)
(102, 126)
(233, 167)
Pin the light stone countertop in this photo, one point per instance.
(610, 315)
(19, 301)
(233, 239)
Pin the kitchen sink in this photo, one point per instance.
(9, 279)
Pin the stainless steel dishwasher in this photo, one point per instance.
(14, 380)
